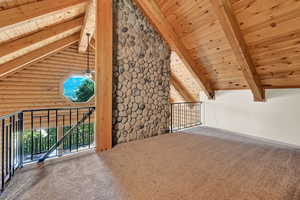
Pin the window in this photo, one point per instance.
(79, 89)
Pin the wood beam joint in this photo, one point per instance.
(182, 90)
(88, 26)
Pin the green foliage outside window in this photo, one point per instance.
(42, 143)
(85, 91)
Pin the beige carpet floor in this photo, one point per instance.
(204, 164)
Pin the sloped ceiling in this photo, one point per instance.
(270, 29)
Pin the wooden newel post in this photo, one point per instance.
(103, 76)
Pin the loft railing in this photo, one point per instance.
(30, 135)
(34, 135)
(11, 145)
(185, 115)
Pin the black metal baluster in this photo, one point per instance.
(89, 129)
(180, 116)
(199, 105)
(56, 122)
(3, 155)
(196, 114)
(10, 146)
(172, 118)
(70, 128)
(31, 135)
(83, 126)
(77, 112)
(21, 138)
(185, 116)
(18, 146)
(16, 143)
(188, 107)
(48, 128)
(40, 145)
(188, 114)
(191, 115)
(13, 144)
(176, 116)
(6, 149)
(63, 127)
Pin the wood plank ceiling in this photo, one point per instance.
(198, 28)
(39, 28)
(272, 32)
(269, 30)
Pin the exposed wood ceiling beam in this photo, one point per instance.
(88, 26)
(182, 90)
(229, 23)
(11, 47)
(19, 63)
(155, 15)
(32, 10)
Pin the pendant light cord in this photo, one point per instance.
(88, 54)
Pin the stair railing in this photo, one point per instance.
(66, 136)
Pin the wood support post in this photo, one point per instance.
(104, 60)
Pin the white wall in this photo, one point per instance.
(276, 119)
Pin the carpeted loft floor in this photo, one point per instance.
(204, 164)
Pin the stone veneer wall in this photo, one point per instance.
(141, 75)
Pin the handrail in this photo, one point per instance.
(45, 156)
(58, 109)
(188, 102)
(42, 109)
(10, 115)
